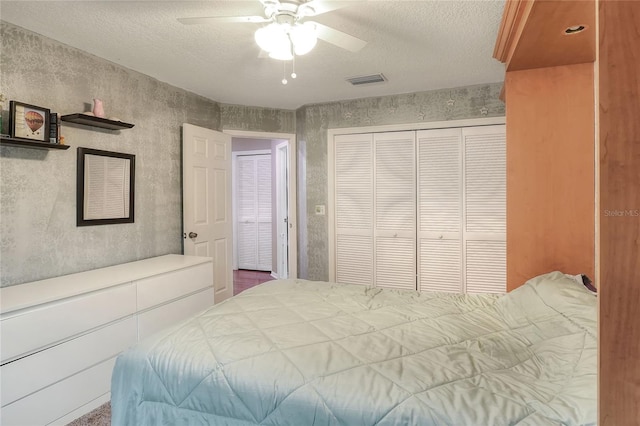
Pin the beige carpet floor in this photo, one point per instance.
(101, 416)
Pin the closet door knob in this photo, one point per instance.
(192, 235)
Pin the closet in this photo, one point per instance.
(253, 200)
(422, 209)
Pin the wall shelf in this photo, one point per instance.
(91, 120)
(31, 144)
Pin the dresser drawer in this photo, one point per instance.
(55, 401)
(164, 316)
(40, 327)
(32, 373)
(162, 288)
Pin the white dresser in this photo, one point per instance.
(59, 337)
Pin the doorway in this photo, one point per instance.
(282, 211)
(283, 232)
(253, 183)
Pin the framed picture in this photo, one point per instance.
(28, 122)
(105, 187)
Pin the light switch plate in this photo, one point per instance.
(320, 210)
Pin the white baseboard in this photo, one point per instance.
(274, 275)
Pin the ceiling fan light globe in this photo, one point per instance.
(303, 49)
(272, 37)
(303, 37)
(263, 39)
(281, 54)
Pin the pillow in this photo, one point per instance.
(545, 294)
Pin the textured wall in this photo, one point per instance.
(38, 188)
(315, 120)
(257, 119)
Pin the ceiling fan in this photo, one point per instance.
(288, 33)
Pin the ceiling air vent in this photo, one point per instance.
(367, 79)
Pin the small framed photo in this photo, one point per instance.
(28, 122)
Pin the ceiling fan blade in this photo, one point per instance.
(323, 6)
(232, 19)
(340, 39)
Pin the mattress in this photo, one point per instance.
(295, 352)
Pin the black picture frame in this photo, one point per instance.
(102, 201)
(29, 122)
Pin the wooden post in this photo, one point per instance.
(619, 212)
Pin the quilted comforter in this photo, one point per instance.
(297, 352)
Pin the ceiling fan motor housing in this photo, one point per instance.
(287, 11)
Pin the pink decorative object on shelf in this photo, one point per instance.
(98, 109)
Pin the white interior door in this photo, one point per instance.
(247, 225)
(206, 188)
(264, 217)
(354, 209)
(395, 210)
(440, 210)
(485, 200)
(375, 209)
(282, 210)
(254, 210)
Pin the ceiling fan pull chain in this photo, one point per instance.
(284, 72)
(293, 67)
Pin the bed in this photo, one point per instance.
(295, 352)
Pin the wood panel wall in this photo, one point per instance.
(550, 172)
(619, 213)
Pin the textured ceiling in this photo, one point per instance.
(417, 45)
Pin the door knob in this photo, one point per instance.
(192, 235)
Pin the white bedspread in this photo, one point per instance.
(295, 352)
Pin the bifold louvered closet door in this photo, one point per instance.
(254, 212)
(354, 209)
(422, 209)
(395, 209)
(485, 209)
(375, 209)
(439, 160)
